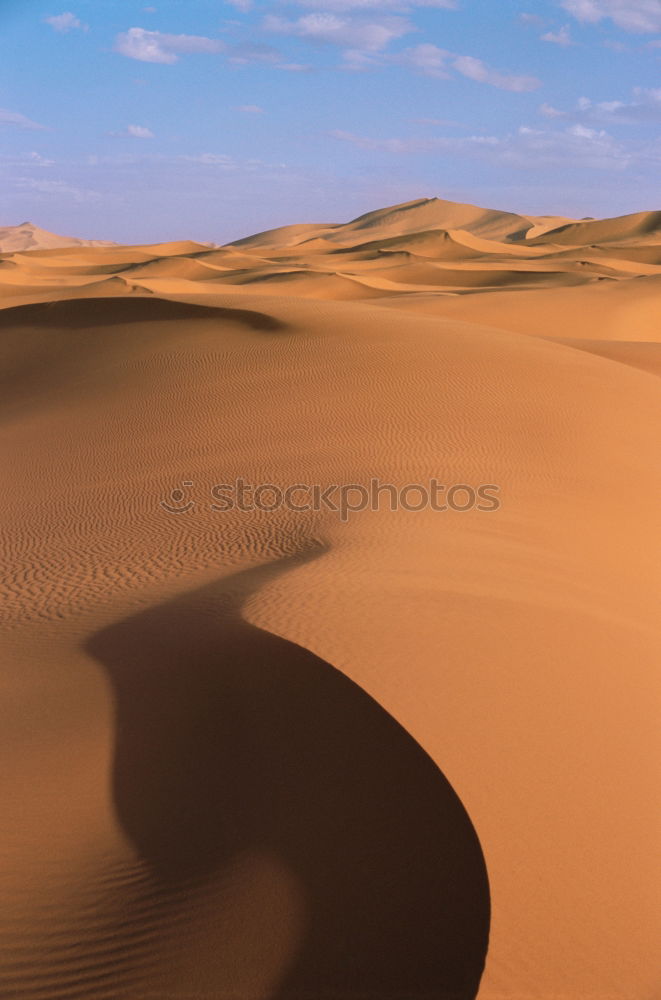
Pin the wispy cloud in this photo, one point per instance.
(370, 35)
(290, 67)
(139, 132)
(134, 132)
(475, 69)
(532, 20)
(20, 121)
(222, 160)
(439, 122)
(560, 37)
(644, 107)
(400, 6)
(526, 149)
(225, 162)
(631, 15)
(58, 189)
(32, 159)
(157, 47)
(65, 22)
(430, 60)
(144, 161)
(246, 53)
(427, 59)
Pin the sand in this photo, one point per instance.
(253, 754)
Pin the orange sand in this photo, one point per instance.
(241, 749)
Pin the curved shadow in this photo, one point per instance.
(228, 737)
(76, 314)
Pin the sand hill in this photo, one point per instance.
(275, 755)
(27, 236)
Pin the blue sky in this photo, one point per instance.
(210, 120)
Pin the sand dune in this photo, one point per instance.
(413, 217)
(275, 755)
(626, 227)
(27, 236)
(438, 246)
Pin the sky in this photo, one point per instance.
(211, 120)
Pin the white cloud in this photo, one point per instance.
(250, 109)
(156, 47)
(65, 22)
(365, 41)
(526, 149)
(475, 69)
(643, 107)
(576, 146)
(560, 37)
(243, 5)
(140, 132)
(342, 6)
(430, 60)
(348, 32)
(550, 112)
(631, 15)
(20, 121)
(426, 58)
(134, 132)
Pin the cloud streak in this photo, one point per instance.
(638, 16)
(372, 35)
(139, 132)
(66, 22)
(430, 60)
(560, 37)
(58, 189)
(19, 121)
(157, 47)
(400, 6)
(643, 108)
(476, 70)
(525, 149)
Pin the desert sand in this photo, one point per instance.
(253, 754)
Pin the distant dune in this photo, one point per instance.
(27, 236)
(274, 755)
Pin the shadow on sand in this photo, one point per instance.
(229, 738)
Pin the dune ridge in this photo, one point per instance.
(426, 256)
